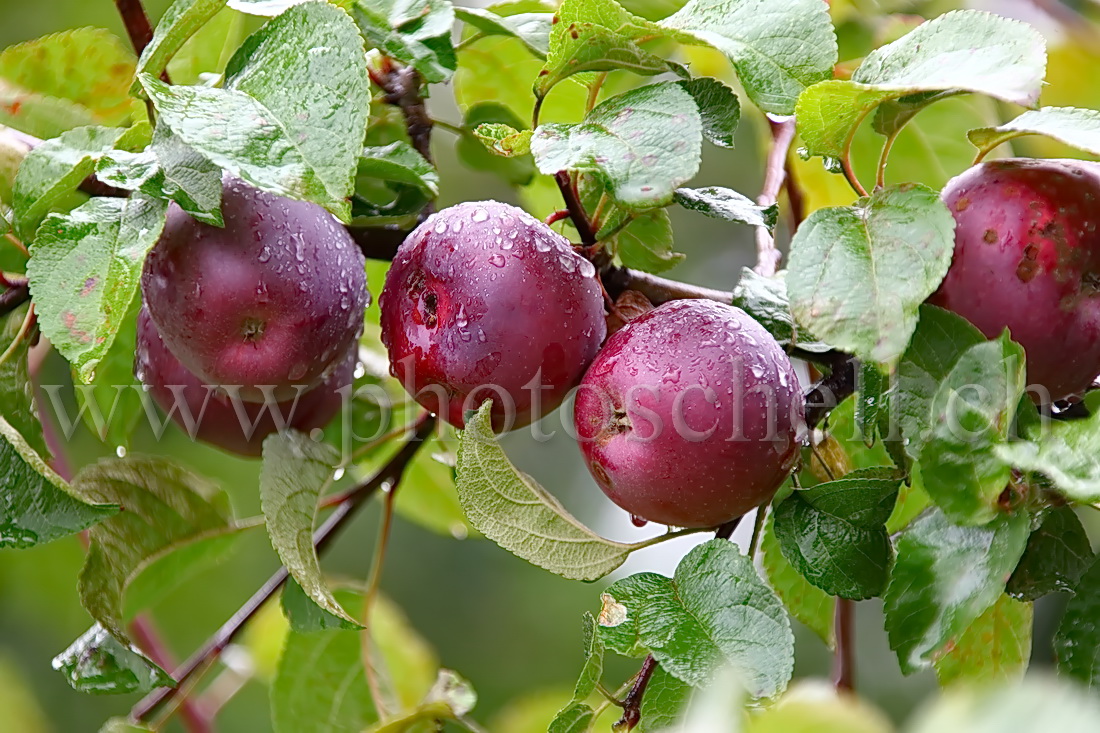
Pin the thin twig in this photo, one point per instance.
(632, 703)
(575, 208)
(336, 521)
(767, 255)
(845, 659)
(193, 715)
(658, 289)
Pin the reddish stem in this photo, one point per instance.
(337, 520)
(632, 703)
(575, 209)
(557, 216)
(194, 718)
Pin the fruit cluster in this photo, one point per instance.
(251, 327)
(688, 416)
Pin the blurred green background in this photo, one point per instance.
(510, 628)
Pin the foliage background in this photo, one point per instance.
(509, 628)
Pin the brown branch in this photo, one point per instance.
(767, 255)
(575, 208)
(138, 27)
(657, 289)
(337, 520)
(844, 662)
(632, 703)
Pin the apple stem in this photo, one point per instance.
(391, 474)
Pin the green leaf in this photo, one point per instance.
(995, 648)
(963, 51)
(100, 664)
(590, 674)
(416, 33)
(1066, 456)
(64, 80)
(835, 533)
(304, 615)
(580, 47)
(715, 612)
(168, 169)
(808, 604)
(111, 404)
(533, 29)
(292, 115)
(1077, 640)
(84, 272)
(870, 389)
(163, 571)
(944, 578)
(36, 505)
(504, 140)
(1037, 705)
(165, 506)
(765, 299)
(778, 47)
(509, 508)
(858, 274)
(646, 242)
(1070, 125)
(16, 389)
(575, 718)
(1058, 553)
(665, 701)
(295, 471)
(179, 22)
(55, 169)
(484, 153)
(643, 144)
(320, 684)
(971, 416)
(719, 108)
(940, 339)
(266, 8)
(400, 163)
(726, 204)
(497, 71)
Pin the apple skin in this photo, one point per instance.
(220, 424)
(481, 299)
(276, 297)
(1027, 258)
(673, 415)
